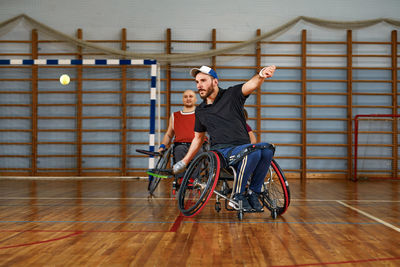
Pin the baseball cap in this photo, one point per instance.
(204, 69)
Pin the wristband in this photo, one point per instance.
(162, 146)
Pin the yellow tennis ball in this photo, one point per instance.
(64, 79)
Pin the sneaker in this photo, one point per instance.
(254, 201)
(245, 203)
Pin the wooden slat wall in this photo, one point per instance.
(395, 136)
(171, 82)
(79, 109)
(349, 102)
(303, 172)
(34, 118)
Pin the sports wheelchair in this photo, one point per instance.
(210, 173)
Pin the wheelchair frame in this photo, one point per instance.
(161, 164)
(203, 175)
(160, 171)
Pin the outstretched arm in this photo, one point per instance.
(257, 80)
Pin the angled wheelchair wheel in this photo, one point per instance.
(198, 183)
(275, 193)
(162, 163)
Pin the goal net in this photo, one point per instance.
(376, 146)
(90, 126)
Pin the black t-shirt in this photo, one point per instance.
(224, 119)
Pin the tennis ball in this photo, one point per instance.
(64, 79)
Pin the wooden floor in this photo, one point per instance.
(112, 222)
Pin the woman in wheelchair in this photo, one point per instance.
(221, 115)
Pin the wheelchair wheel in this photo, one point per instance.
(275, 193)
(161, 164)
(198, 183)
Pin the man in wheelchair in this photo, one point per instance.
(221, 115)
(180, 127)
(180, 131)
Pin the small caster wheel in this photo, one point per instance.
(218, 206)
(174, 187)
(274, 214)
(240, 215)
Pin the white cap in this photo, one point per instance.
(204, 69)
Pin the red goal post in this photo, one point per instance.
(380, 150)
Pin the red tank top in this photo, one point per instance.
(184, 126)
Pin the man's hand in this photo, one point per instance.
(179, 167)
(257, 80)
(267, 72)
(162, 148)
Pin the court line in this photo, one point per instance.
(339, 262)
(84, 231)
(348, 200)
(43, 241)
(181, 219)
(86, 198)
(173, 198)
(370, 216)
(174, 228)
(121, 222)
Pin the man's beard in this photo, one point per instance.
(208, 94)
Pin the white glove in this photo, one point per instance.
(267, 72)
(179, 167)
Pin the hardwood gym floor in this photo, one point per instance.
(112, 222)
